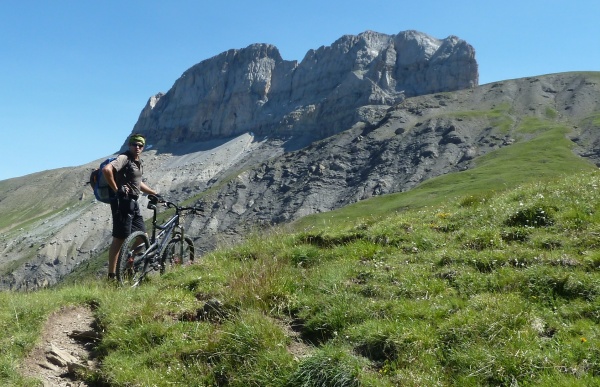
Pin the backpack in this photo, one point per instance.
(102, 190)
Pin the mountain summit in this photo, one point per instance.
(255, 90)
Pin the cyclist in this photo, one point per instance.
(124, 175)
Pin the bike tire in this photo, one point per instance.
(172, 256)
(130, 271)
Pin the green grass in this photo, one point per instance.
(497, 289)
(499, 117)
(25, 217)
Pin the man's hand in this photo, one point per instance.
(123, 191)
(156, 198)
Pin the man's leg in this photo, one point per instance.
(122, 228)
(113, 255)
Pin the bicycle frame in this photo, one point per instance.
(162, 235)
(159, 242)
(166, 230)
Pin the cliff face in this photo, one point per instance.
(255, 90)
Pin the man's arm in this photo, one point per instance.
(144, 188)
(109, 174)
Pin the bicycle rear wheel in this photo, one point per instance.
(178, 252)
(130, 267)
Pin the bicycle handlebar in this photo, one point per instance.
(155, 199)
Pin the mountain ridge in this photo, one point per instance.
(255, 90)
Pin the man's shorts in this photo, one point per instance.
(127, 217)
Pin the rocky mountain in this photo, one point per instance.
(255, 90)
(281, 161)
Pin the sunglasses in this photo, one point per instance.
(137, 145)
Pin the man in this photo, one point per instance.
(124, 175)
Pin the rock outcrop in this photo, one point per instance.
(255, 90)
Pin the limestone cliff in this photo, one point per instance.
(255, 90)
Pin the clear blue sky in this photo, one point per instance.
(75, 74)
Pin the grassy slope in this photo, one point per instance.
(21, 203)
(489, 277)
(545, 156)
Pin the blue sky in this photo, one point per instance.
(75, 74)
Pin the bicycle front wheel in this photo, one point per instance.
(130, 267)
(178, 252)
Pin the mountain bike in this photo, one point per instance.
(170, 248)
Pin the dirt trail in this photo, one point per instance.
(65, 348)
